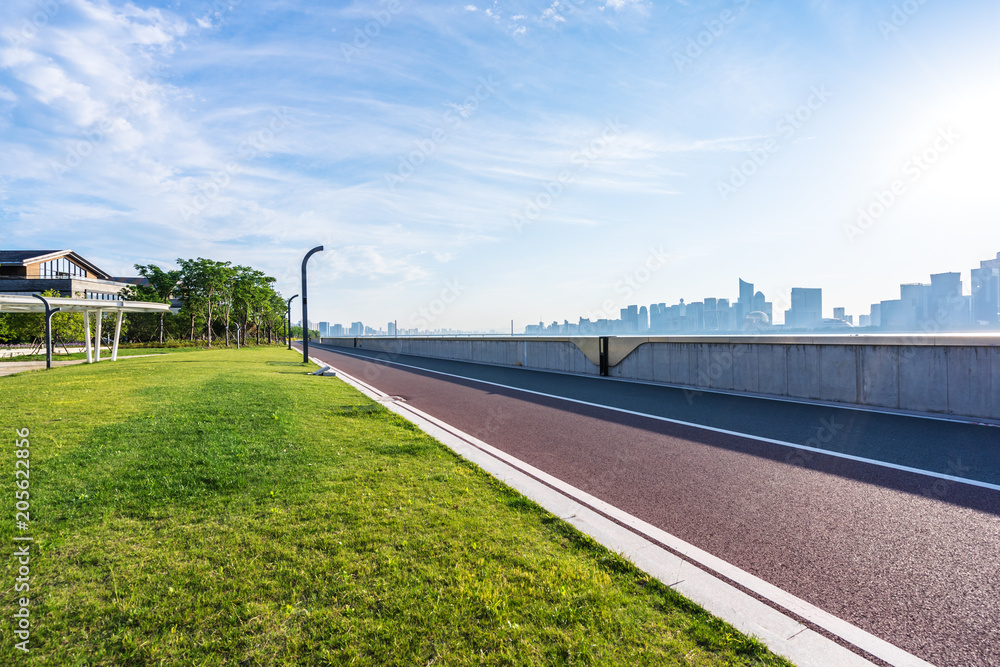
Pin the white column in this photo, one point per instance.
(86, 332)
(100, 318)
(118, 333)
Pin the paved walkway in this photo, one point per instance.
(12, 367)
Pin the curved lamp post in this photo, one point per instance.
(49, 312)
(288, 328)
(305, 312)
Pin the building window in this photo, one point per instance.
(60, 268)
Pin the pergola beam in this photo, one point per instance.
(49, 305)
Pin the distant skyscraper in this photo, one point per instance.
(948, 307)
(724, 315)
(807, 308)
(630, 319)
(643, 319)
(744, 304)
(986, 293)
(324, 329)
(761, 304)
(746, 295)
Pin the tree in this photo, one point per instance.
(203, 283)
(161, 287)
(251, 294)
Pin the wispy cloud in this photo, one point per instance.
(126, 118)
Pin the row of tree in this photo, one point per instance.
(215, 298)
(218, 300)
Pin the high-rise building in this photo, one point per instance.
(807, 308)
(746, 294)
(337, 330)
(762, 305)
(744, 304)
(948, 307)
(324, 329)
(723, 314)
(986, 292)
(630, 319)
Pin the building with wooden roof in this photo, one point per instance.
(26, 272)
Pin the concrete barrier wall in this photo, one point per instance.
(948, 374)
(535, 353)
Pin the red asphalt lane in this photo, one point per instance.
(897, 554)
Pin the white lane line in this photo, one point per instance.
(782, 633)
(850, 457)
(693, 389)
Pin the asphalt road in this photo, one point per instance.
(910, 558)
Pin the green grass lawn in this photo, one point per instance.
(225, 508)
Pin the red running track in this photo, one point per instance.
(871, 545)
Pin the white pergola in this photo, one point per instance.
(97, 307)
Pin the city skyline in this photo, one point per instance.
(506, 157)
(942, 304)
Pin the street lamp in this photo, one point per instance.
(49, 312)
(305, 312)
(288, 328)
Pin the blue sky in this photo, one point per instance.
(525, 160)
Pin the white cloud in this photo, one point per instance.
(554, 13)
